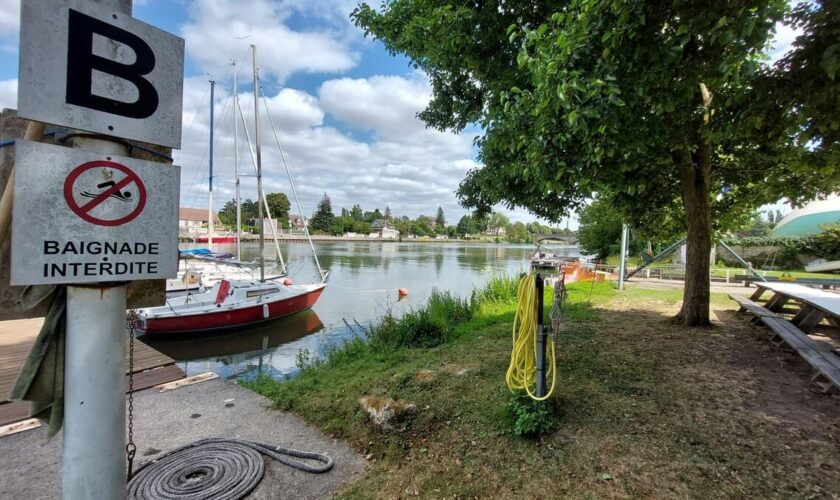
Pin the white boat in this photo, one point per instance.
(823, 266)
(230, 303)
(237, 302)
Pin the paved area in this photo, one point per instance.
(31, 466)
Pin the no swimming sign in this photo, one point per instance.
(82, 217)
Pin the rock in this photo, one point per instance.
(385, 412)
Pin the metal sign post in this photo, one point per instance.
(89, 214)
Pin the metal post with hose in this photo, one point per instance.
(533, 359)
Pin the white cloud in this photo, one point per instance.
(217, 31)
(8, 93)
(9, 25)
(387, 104)
(404, 165)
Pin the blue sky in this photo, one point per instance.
(344, 108)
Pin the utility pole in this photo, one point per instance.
(622, 268)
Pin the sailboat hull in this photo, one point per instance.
(225, 318)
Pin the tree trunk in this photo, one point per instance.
(694, 180)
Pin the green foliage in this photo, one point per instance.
(440, 221)
(531, 418)
(322, 219)
(423, 327)
(517, 233)
(757, 227)
(278, 205)
(599, 233)
(248, 210)
(467, 226)
(825, 245)
(662, 104)
(499, 289)
(347, 224)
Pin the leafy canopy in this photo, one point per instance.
(582, 96)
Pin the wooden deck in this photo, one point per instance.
(151, 367)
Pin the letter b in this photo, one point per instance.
(81, 61)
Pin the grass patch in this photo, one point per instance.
(644, 408)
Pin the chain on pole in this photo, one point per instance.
(130, 447)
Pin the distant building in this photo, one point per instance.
(381, 228)
(194, 221)
(495, 231)
(298, 221)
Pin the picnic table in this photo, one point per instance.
(814, 305)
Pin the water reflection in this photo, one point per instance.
(364, 278)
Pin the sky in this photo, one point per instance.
(343, 107)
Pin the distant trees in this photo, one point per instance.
(248, 210)
(322, 219)
(440, 221)
(278, 205)
(600, 229)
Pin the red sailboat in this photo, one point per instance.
(237, 302)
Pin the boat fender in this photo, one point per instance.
(287, 281)
(265, 311)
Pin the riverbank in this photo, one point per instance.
(644, 408)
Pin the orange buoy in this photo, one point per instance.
(402, 292)
(287, 281)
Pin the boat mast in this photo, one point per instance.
(236, 166)
(259, 158)
(210, 208)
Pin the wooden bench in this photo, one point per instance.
(820, 355)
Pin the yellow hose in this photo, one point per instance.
(522, 372)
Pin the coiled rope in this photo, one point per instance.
(215, 468)
(522, 371)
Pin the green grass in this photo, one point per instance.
(643, 408)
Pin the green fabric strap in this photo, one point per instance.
(41, 379)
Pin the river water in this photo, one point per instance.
(363, 283)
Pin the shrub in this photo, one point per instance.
(424, 327)
(531, 418)
(500, 288)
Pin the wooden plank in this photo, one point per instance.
(749, 305)
(16, 411)
(825, 362)
(17, 337)
(8, 430)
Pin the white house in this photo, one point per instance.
(381, 228)
(194, 221)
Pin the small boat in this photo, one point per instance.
(544, 258)
(823, 266)
(229, 304)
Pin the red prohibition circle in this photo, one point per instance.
(83, 211)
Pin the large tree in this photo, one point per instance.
(440, 221)
(322, 219)
(665, 104)
(278, 204)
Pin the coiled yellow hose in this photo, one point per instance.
(522, 372)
